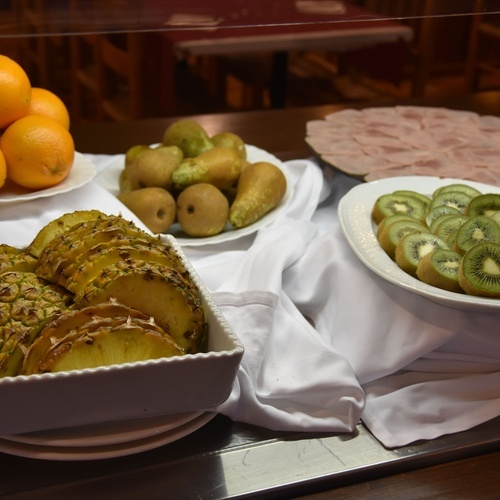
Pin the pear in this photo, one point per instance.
(189, 136)
(261, 187)
(230, 140)
(218, 166)
(133, 152)
(202, 210)
(154, 206)
(153, 168)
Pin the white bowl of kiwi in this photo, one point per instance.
(439, 238)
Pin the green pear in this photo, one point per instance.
(261, 186)
(189, 136)
(154, 206)
(218, 166)
(230, 140)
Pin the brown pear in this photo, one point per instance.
(153, 168)
(261, 187)
(188, 135)
(154, 206)
(218, 166)
(202, 210)
(230, 140)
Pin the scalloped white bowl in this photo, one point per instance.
(194, 382)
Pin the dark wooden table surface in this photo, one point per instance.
(281, 132)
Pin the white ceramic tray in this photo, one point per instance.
(194, 382)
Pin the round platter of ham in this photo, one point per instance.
(355, 209)
(377, 143)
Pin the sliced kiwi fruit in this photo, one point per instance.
(439, 268)
(476, 230)
(389, 220)
(390, 236)
(485, 204)
(445, 228)
(391, 204)
(440, 210)
(457, 187)
(413, 247)
(479, 272)
(414, 194)
(454, 199)
(439, 220)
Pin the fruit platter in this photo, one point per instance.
(405, 254)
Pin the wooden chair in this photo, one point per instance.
(45, 57)
(482, 70)
(108, 77)
(108, 70)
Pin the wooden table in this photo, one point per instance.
(211, 461)
(278, 28)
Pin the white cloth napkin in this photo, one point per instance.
(427, 369)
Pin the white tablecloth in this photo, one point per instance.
(327, 342)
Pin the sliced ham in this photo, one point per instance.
(324, 145)
(437, 143)
(358, 165)
(401, 155)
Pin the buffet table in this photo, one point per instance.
(227, 459)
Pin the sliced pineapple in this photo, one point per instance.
(27, 303)
(91, 268)
(65, 248)
(146, 246)
(20, 261)
(61, 325)
(107, 345)
(157, 290)
(59, 226)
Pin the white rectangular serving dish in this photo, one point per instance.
(193, 382)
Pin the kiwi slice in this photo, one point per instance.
(476, 230)
(440, 210)
(389, 220)
(454, 199)
(458, 187)
(414, 194)
(413, 247)
(479, 271)
(485, 204)
(391, 204)
(439, 220)
(439, 268)
(445, 228)
(390, 236)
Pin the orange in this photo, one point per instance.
(3, 169)
(15, 91)
(46, 103)
(39, 152)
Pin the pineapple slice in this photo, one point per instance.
(21, 261)
(148, 245)
(107, 345)
(59, 226)
(157, 290)
(92, 267)
(65, 248)
(60, 326)
(27, 303)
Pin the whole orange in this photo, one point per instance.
(46, 103)
(39, 152)
(3, 169)
(15, 91)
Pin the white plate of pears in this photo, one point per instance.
(112, 179)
